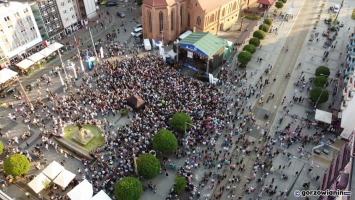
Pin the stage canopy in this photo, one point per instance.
(6, 74)
(202, 43)
(46, 51)
(83, 191)
(55, 46)
(53, 169)
(25, 63)
(323, 116)
(135, 101)
(101, 196)
(64, 178)
(38, 183)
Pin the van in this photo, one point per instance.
(136, 31)
(147, 45)
(336, 8)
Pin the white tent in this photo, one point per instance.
(55, 46)
(64, 178)
(46, 52)
(101, 196)
(53, 169)
(83, 191)
(36, 57)
(6, 74)
(25, 63)
(38, 183)
(323, 116)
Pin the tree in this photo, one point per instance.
(319, 95)
(164, 141)
(251, 48)
(322, 71)
(180, 122)
(128, 188)
(244, 57)
(16, 165)
(1, 147)
(259, 34)
(320, 81)
(254, 41)
(148, 166)
(283, 1)
(264, 27)
(268, 21)
(279, 4)
(180, 184)
(139, 2)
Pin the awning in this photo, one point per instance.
(46, 51)
(64, 178)
(24, 64)
(53, 169)
(6, 74)
(38, 183)
(323, 116)
(55, 46)
(101, 196)
(36, 57)
(83, 191)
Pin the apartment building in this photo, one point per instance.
(68, 15)
(18, 29)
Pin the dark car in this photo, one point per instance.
(7, 91)
(121, 14)
(111, 3)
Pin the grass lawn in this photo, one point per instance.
(96, 142)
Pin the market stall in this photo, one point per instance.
(53, 169)
(35, 57)
(6, 75)
(64, 178)
(38, 183)
(83, 191)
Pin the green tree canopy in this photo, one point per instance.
(128, 188)
(164, 141)
(180, 122)
(251, 48)
(254, 41)
(16, 165)
(279, 4)
(139, 2)
(319, 93)
(1, 147)
(259, 34)
(283, 1)
(322, 71)
(320, 81)
(268, 21)
(180, 184)
(148, 166)
(244, 57)
(264, 27)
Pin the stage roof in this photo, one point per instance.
(202, 43)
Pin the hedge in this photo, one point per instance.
(254, 41)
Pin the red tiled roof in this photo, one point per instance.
(210, 5)
(266, 2)
(155, 2)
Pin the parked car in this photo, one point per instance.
(7, 91)
(111, 3)
(137, 26)
(336, 8)
(136, 31)
(121, 14)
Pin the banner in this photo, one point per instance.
(190, 54)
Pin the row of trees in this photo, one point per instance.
(319, 94)
(245, 56)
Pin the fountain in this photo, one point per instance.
(83, 136)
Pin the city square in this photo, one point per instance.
(114, 116)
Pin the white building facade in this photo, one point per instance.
(18, 29)
(68, 15)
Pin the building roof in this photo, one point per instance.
(212, 4)
(266, 2)
(155, 2)
(203, 42)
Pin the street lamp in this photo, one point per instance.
(25, 93)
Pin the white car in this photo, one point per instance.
(137, 26)
(136, 32)
(336, 8)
